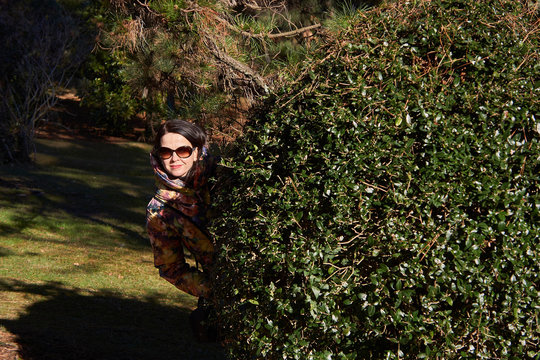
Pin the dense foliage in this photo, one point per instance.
(386, 204)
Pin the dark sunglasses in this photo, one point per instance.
(182, 152)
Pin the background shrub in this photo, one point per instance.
(107, 96)
(386, 204)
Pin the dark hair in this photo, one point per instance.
(192, 132)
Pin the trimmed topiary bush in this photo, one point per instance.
(386, 204)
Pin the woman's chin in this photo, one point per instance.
(177, 173)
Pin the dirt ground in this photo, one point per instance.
(70, 121)
(9, 350)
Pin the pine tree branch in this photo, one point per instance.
(234, 64)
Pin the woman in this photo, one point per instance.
(176, 216)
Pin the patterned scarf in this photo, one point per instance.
(192, 201)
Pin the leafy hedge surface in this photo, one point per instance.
(386, 206)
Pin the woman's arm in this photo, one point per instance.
(167, 243)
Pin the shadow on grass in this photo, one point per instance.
(105, 184)
(67, 324)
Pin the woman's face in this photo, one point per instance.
(176, 166)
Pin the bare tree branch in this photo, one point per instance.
(39, 58)
(252, 35)
(294, 32)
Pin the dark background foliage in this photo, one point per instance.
(386, 204)
(43, 46)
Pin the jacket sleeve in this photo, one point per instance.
(167, 243)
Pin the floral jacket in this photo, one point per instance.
(176, 218)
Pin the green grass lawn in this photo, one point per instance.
(77, 279)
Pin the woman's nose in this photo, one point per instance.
(175, 157)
